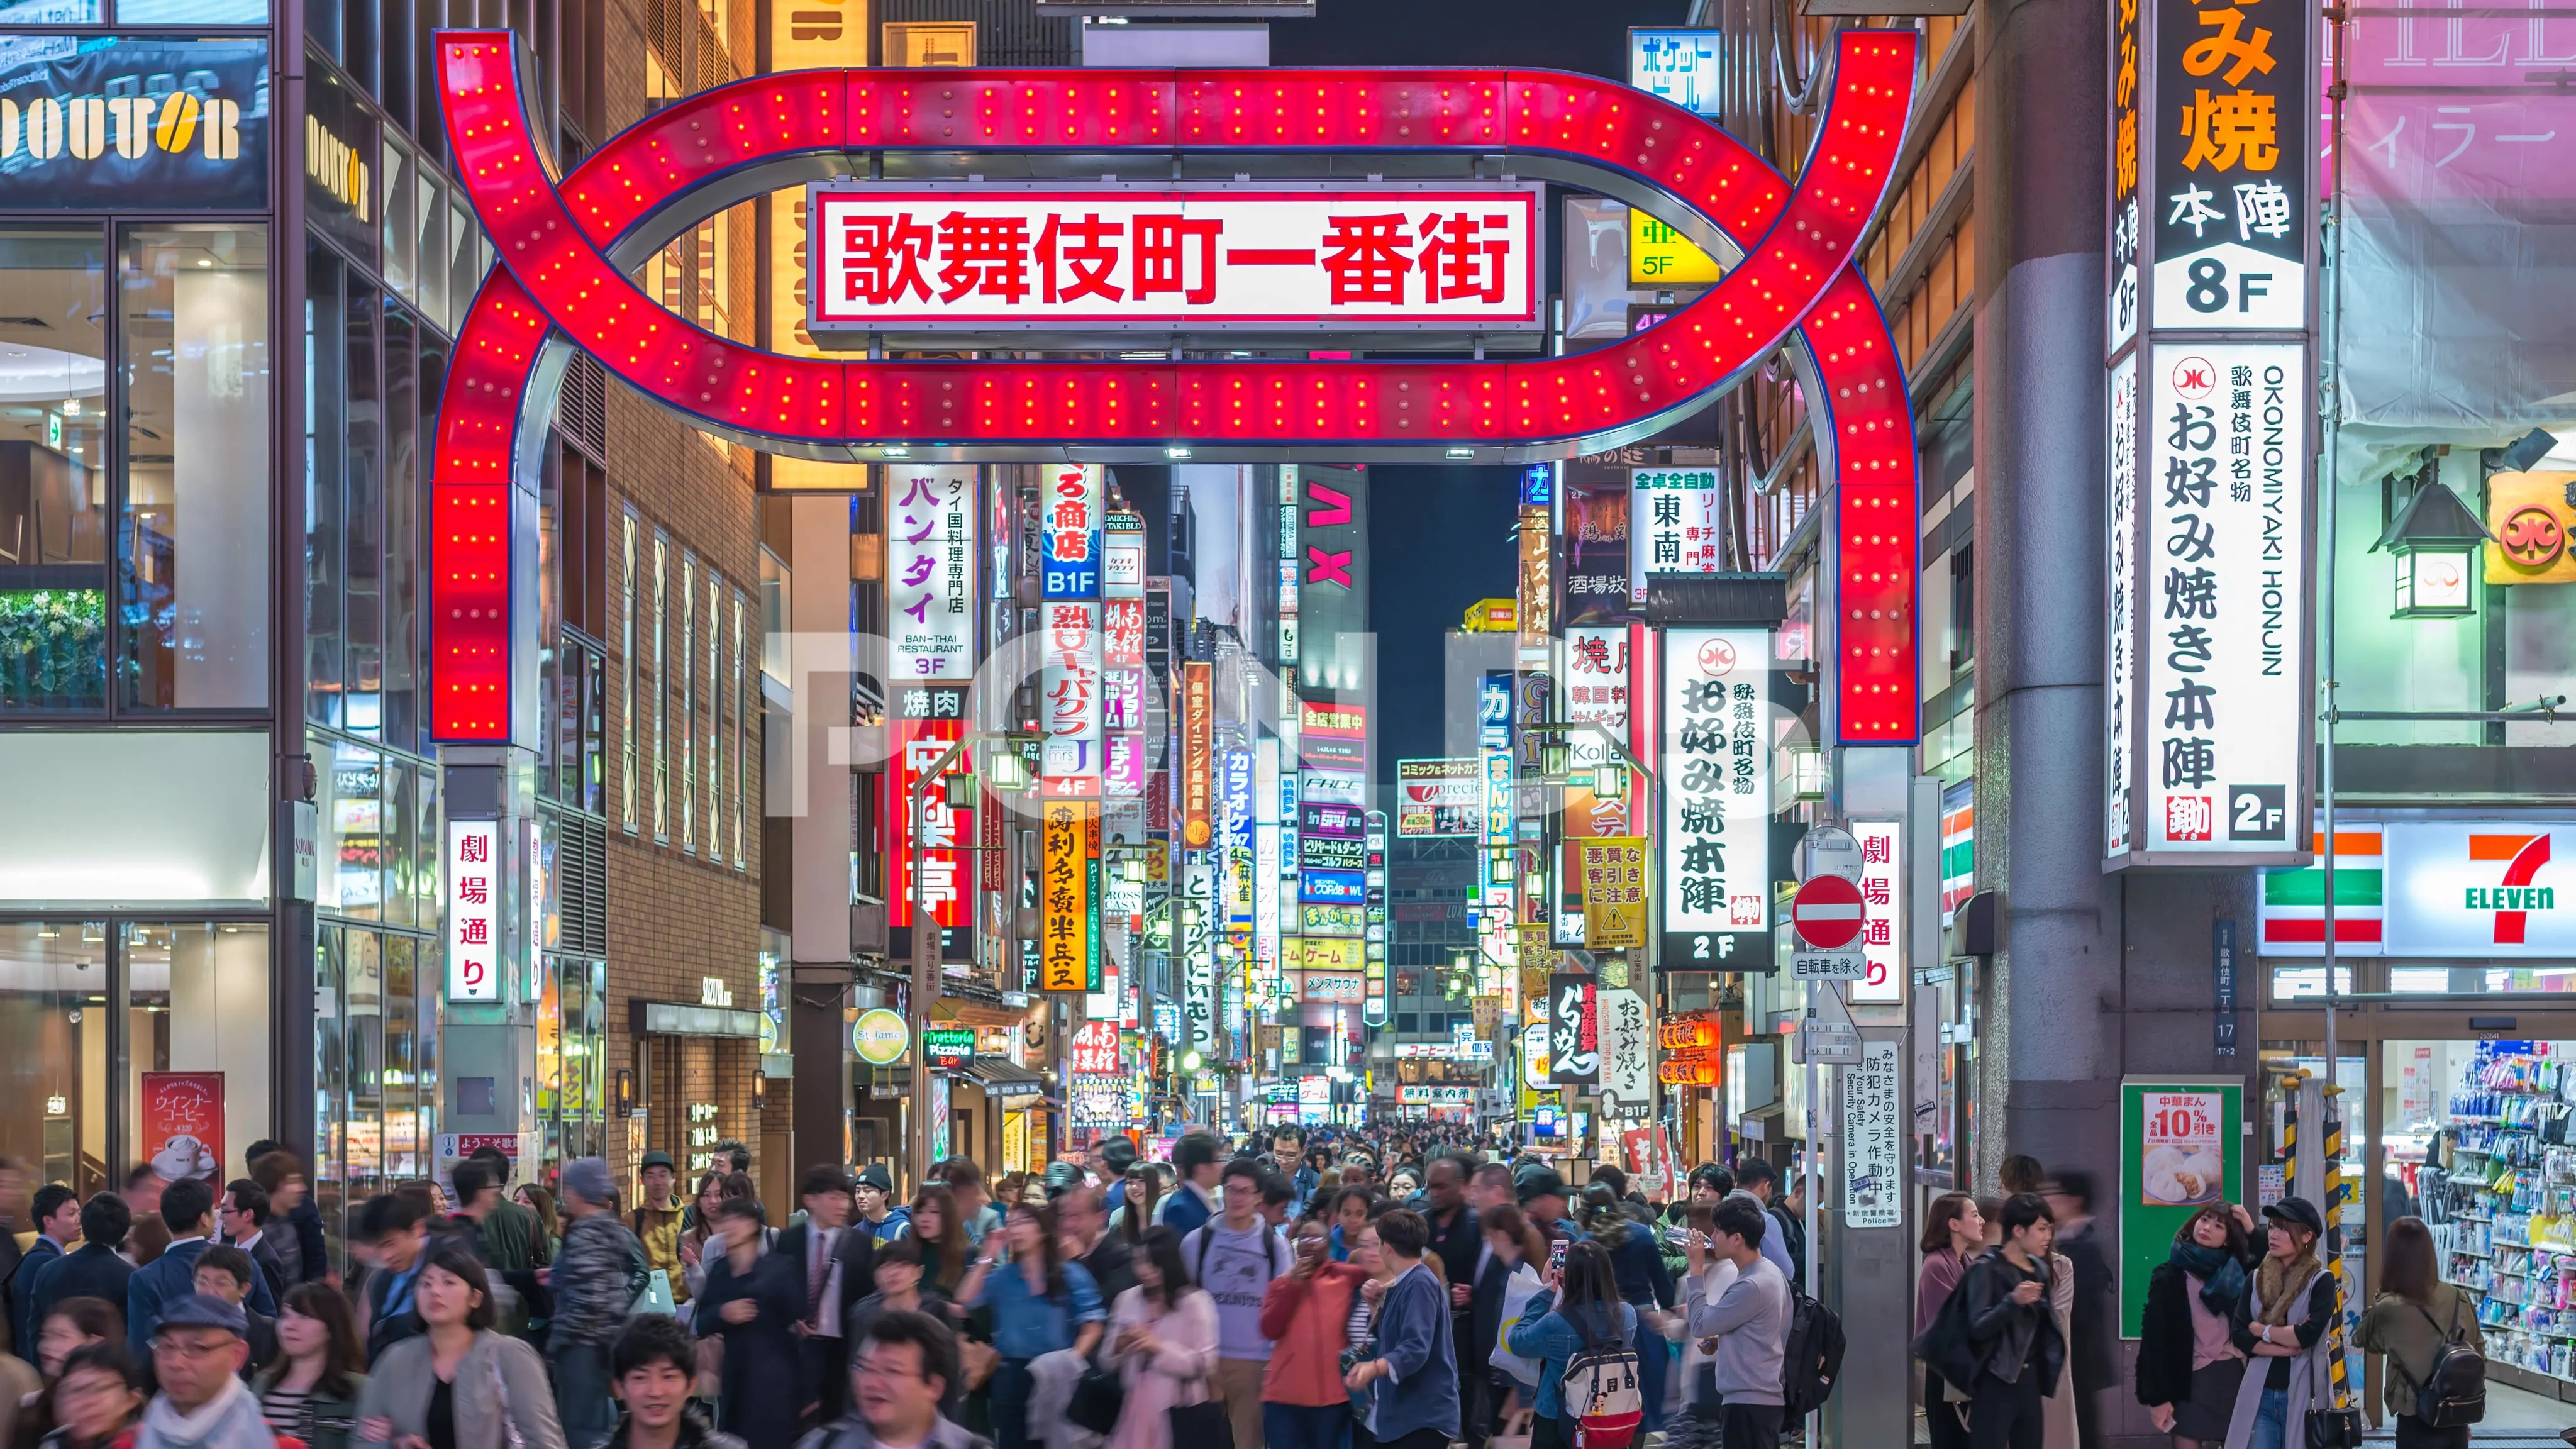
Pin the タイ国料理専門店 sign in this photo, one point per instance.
(930, 572)
(989, 256)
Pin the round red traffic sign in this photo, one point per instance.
(1827, 912)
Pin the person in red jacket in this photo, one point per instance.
(1306, 1314)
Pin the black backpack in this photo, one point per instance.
(1813, 1357)
(2454, 1394)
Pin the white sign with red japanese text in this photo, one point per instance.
(984, 256)
(930, 571)
(473, 910)
(1882, 910)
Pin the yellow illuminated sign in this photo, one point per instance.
(1065, 898)
(1659, 256)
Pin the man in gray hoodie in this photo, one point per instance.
(1746, 1331)
(198, 1349)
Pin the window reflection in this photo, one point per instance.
(53, 498)
(53, 1050)
(197, 1038)
(193, 319)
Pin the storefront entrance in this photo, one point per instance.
(2466, 1127)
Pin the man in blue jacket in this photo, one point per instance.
(92, 1270)
(1413, 1382)
(57, 1213)
(188, 1209)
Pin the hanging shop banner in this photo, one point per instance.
(1333, 579)
(2228, 223)
(921, 738)
(1680, 66)
(1435, 1095)
(2433, 889)
(473, 910)
(1266, 848)
(1198, 755)
(1882, 910)
(1064, 899)
(1198, 958)
(1122, 562)
(1069, 528)
(999, 256)
(1672, 525)
(1614, 891)
(1070, 689)
(1534, 609)
(949, 1048)
(2211, 694)
(930, 572)
(1875, 1181)
(1596, 679)
(1095, 1048)
(1332, 887)
(1596, 543)
(90, 124)
(1333, 738)
(1715, 877)
(1627, 1054)
(2181, 1149)
(1440, 798)
(2120, 707)
(1573, 1030)
(1330, 954)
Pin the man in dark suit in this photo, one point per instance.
(188, 1210)
(57, 1215)
(1485, 1308)
(835, 1268)
(92, 1270)
(243, 1215)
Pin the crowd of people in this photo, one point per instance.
(1407, 1288)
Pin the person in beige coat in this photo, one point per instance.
(2057, 1411)
(460, 1385)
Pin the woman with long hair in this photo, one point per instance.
(702, 1226)
(99, 1392)
(1162, 1341)
(312, 1392)
(2415, 1315)
(1135, 1217)
(1041, 1304)
(1579, 1309)
(1645, 1284)
(942, 1235)
(1954, 1232)
(459, 1384)
(2189, 1367)
(538, 1200)
(2288, 1307)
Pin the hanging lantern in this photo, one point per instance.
(2433, 543)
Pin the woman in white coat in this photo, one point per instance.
(1162, 1340)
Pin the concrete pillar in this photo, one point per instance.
(2049, 1007)
(819, 802)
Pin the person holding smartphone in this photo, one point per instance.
(1306, 1313)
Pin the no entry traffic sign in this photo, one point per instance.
(1827, 911)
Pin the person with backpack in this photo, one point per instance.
(1412, 1378)
(1745, 1333)
(2436, 1378)
(2189, 1366)
(1235, 1256)
(1584, 1340)
(1997, 1336)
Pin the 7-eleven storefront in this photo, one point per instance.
(2455, 946)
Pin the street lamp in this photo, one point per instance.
(2434, 542)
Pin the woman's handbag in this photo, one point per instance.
(2334, 1429)
(1098, 1396)
(1202, 1425)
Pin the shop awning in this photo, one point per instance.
(674, 1018)
(1004, 1079)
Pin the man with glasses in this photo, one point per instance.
(903, 1366)
(198, 1349)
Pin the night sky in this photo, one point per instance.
(1582, 35)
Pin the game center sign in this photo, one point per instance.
(976, 255)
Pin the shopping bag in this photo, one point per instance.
(1524, 1285)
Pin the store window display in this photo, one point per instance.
(54, 1050)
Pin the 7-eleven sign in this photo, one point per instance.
(2461, 888)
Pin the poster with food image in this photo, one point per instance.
(182, 1127)
(2182, 1148)
(2182, 1166)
